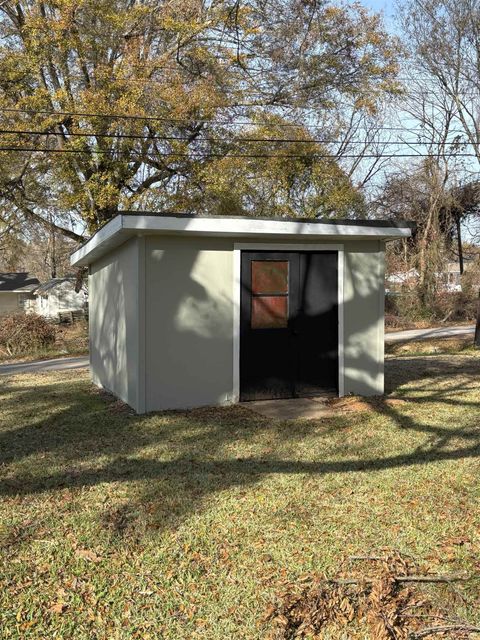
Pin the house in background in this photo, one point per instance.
(452, 278)
(449, 279)
(57, 296)
(16, 290)
(401, 280)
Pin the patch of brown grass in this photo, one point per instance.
(349, 403)
(430, 347)
(73, 338)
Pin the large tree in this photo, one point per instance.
(443, 100)
(444, 38)
(439, 208)
(204, 89)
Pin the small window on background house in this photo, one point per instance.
(269, 294)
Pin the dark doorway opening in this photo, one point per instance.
(288, 324)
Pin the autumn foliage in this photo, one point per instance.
(184, 106)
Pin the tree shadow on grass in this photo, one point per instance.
(427, 372)
(66, 435)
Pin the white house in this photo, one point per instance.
(56, 296)
(16, 290)
(449, 279)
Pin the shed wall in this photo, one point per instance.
(364, 295)
(189, 299)
(188, 321)
(114, 322)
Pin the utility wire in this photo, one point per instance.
(94, 134)
(235, 155)
(117, 116)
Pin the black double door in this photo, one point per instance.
(288, 324)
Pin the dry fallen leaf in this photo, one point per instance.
(459, 541)
(58, 607)
(88, 554)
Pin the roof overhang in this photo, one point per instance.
(125, 226)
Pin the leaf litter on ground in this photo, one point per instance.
(374, 597)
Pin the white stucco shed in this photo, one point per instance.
(188, 311)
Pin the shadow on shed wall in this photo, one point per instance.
(189, 322)
(114, 321)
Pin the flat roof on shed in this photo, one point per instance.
(128, 224)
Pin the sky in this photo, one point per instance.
(387, 6)
(379, 5)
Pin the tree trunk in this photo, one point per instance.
(460, 248)
(101, 216)
(53, 252)
(476, 340)
(424, 267)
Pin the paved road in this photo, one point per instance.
(64, 364)
(55, 364)
(426, 334)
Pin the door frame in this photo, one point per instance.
(237, 283)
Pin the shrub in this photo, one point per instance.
(25, 334)
(455, 306)
(451, 306)
(406, 306)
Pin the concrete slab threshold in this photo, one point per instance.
(291, 408)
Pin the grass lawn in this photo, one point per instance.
(184, 524)
(430, 347)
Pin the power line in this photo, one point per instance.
(206, 155)
(94, 134)
(117, 116)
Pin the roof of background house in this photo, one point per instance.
(128, 224)
(20, 282)
(51, 284)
